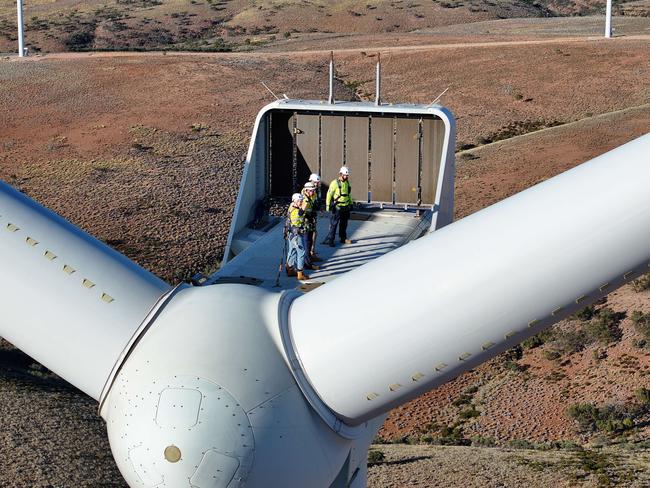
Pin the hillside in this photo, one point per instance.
(219, 25)
(145, 152)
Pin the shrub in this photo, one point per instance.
(609, 418)
(483, 441)
(571, 341)
(287, 34)
(642, 283)
(605, 326)
(520, 444)
(375, 456)
(80, 40)
(641, 322)
(451, 436)
(643, 396)
(469, 413)
(552, 355)
(586, 313)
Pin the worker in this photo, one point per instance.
(310, 192)
(295, 234)
(339, 203)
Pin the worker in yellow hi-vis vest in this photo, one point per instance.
(294, 232)
(339, 203)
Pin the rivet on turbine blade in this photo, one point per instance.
(371, 396)
(464, 356)
(394, 387)
(68, 269)
(557, 311)
(509, 335)
(31, 242)
(487, 345)
(441, 366)
(604, 287)
(88, 284)
(581, 298)
(533, 323)
(417, 376)
(628, 274)
(12, 228)
(107, 298)
(50, 255)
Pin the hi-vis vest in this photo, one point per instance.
(339, 193)
(310, 211)
(295, 219)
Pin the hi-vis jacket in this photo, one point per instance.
(339, 193)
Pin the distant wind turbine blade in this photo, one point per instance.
(67, 300)
(419, 316)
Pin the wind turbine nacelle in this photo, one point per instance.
(206, 400)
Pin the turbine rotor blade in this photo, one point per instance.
(68, 300)
(419, 316)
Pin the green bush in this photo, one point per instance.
(469, 413)
(520, 444)
(643, 396)
(642, 283)
(451, 436)
(375, 456)
(604, 327)
(609, 418)
(80, 40)
(586, 313)
(641, 322)
(481, 441)
(571, 341)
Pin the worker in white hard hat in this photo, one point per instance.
(339, 203)
(295, 234)
(315, 201)
(309, 195)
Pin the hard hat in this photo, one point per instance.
(344, 171)
(310, 186)
(314, 177)
(296, 197)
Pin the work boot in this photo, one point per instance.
(346, 241)
(302, 276)
(329, 243)
(291, 271)
(314, 258)
(313, 267)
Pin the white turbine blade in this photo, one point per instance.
(419, 316)
(69, 301)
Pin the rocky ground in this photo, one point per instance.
(472, 467)
(145, 152)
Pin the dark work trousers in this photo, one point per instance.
(309, 243)
(340, 218)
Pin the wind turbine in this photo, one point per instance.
(608, 19)
(231, 385)
(21, 28)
